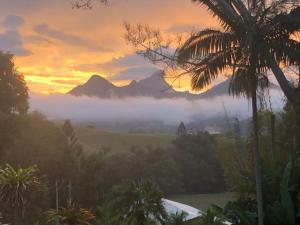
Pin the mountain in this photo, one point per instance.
(154, 86)
(95, 86)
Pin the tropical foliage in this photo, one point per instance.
(70, 216)
(16, 188)
(137, 203)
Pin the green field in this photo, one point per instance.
(93, 140)
(203, 201)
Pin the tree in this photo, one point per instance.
(249, 45)
(181, 129)
(13, 100)
(71, 215)
(16, 188)
(73, 152)
(13, 90)
(137, 203)
(196, 158)
(74, 146)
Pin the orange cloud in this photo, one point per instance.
(67, 46)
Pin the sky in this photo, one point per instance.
(57, 47)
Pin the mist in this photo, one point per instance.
(169, 111)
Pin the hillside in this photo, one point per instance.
(93, 140)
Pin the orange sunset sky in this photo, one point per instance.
(58, 47)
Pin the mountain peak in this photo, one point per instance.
(133, 82)
(155, 81)
(95, 84)
(96, 78)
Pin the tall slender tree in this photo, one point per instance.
(16, 188)
(249, 45)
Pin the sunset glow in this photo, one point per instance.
(57, 47)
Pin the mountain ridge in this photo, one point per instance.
(153, 86)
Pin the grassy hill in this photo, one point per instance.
(93, 140)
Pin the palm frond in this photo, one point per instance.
(211, 67)
(206, 42)
(226, 14)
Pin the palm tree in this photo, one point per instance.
(257, 36)
(16, 187)
(249, 44)
(70, 216)
(265, 30)
(137, 203)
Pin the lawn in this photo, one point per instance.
(203, 201)
(93, 140)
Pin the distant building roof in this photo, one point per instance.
(174, 207)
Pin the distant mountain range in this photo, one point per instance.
(154, 86)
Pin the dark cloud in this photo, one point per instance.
(12, 22)
(136, 73)
(73, 40)
(123, 63)
(12, 41)
(129, 60)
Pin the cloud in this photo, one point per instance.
(60, 106)
(117, 65)
(12, 41)
(180, 28)
(12, 22)
(70, 39)
(47, 74)
(128, 60)
(66, 82)
(38, 40)
(135, 73)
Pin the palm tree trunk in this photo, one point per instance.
(293, 95)
(16, 216)
(297, 129)
(256, 159)
(273, 134)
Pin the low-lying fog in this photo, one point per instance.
(170, 111)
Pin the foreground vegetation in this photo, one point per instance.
(63, 183)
